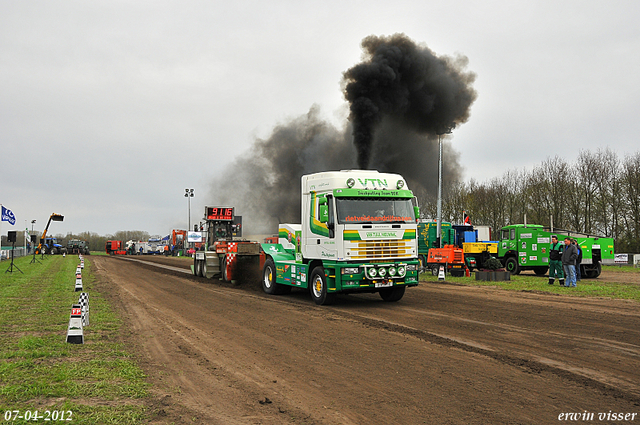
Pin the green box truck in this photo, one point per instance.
(526, 247)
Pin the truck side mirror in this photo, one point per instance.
(416, 212)
(323, 211)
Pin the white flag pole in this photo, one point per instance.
(0, 230)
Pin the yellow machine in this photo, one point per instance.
(43, 245)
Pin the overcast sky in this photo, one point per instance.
(110, 109)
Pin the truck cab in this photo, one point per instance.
(524, 247)
(358, 233)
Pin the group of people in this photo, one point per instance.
(564, 261)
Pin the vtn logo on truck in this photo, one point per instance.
(374, 182)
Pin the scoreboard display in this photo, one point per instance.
(219, 213)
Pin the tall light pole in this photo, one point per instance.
(189, 194)
(439, 212)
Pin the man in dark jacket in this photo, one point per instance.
(569, 256)
(555, 261)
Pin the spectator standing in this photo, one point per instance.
(555, 261)
(569, 256)
(578, 260)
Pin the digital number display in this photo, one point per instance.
(219, 213)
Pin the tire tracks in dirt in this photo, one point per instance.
(296, 355)
(626, 389)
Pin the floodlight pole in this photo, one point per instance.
(189, 194)
(439, 211)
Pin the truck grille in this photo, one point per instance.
(358, 250)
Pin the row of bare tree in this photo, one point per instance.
(599, 194)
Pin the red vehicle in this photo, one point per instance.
(228, 256)
(178, 239)
(115, 248)
(449, 256)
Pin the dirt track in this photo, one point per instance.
(443, 354)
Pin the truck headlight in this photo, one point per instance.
(411, 267)
(382, 272)
(392, 271)
(373, 272)
(351, 270)
(402, 271)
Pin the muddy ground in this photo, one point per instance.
(222, 354)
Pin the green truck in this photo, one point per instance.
(358, 234)
(427, 238)
(526, 247)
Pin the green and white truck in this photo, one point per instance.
(526, 247)
(358, 234)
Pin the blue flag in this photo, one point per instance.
(7, 215)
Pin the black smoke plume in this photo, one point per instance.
(408, 83)
(401, 98)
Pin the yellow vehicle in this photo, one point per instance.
(48, 247)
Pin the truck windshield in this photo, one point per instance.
(374, 210)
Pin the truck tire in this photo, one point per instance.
(512, 266)
(422, 262)
(223, 269)
(592, 273)
(540, 270)
(269, 284)
(435, 270)
(318, 287)
(392, 294)
(197, 268)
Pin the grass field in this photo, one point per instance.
(585, 288)
(98, 381)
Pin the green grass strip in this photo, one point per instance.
(585, 287)
(98, 381)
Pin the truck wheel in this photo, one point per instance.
(223, 267)
(318, 287)
(435, 270)
(592, 273)
(269, 284)
(540, 270)
(392, 294)
(203, 268)
(511, 264)
(422, 263)
(197, 268)
(598, 270)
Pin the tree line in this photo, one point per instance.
(598, 194)
(95, 241)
